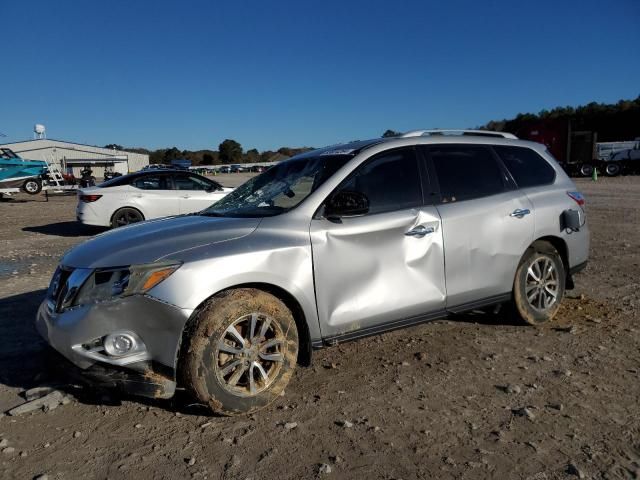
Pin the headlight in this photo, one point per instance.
(108, 283)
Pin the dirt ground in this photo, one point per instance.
(464, 398)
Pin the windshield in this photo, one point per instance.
(279, 189)
(7, 153)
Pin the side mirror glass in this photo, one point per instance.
(347, 204)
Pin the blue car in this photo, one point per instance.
(16, 172)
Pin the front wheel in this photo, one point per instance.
(126, 216)
(32, 186)
(241, 352)
(539, 284)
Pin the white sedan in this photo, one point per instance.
(145, 195)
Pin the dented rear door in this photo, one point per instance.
(487, 223)
(383, 268)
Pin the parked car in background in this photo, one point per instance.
(257, 169)
(236, 168)
(328, 246)
(156, 166)
(225, 169)
(145, 195)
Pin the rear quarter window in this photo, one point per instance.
(151, 182)
(526, 166)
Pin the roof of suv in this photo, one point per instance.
(437, 136)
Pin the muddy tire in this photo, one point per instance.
(126, 216)
(241, 351)
(539, 284)
(32, 186)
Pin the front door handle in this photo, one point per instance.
(186, 196)
(420, 231)
(520, 212)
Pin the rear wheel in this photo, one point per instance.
(241, 353)
(32, 186)
(126, 216)
(539, 284)
(612, 169)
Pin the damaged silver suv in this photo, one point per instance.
(329, 246)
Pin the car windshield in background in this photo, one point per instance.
(279, 189)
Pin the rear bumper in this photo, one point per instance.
(87, 214)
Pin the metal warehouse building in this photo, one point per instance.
(69, 156)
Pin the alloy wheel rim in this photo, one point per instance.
(250, 354)
(541, 286)
(127, 218)
(31, 186)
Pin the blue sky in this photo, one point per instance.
(293, 73)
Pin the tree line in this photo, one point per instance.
(228, 152)
(612, 121)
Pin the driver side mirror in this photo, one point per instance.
(346, 204)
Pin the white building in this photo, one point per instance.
(71, 156)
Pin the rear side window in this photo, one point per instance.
(151, 182)
(190, 182)
(391, 181)
(527, 168)
(465, 172)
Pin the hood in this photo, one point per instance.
(149, 241)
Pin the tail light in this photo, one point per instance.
(89, 198)
(577, 197)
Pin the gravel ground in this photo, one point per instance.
(468, 397)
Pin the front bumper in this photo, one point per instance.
(144, 379)
(158, 324)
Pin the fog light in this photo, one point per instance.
(119, 344)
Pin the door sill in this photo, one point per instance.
(408, 322)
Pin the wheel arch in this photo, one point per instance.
(561, 246)
(304, 336)
(126, 206)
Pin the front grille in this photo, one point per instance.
(64, 287)
(59, 286)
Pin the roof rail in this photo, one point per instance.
(479, 133)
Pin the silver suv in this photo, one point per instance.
(329, 246)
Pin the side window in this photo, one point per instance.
(188, 182)
(151, 182)
(527, 167)
(391, 181)
(466, 171)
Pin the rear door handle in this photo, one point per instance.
(186, 196)
(520, 212)
(420, 231)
